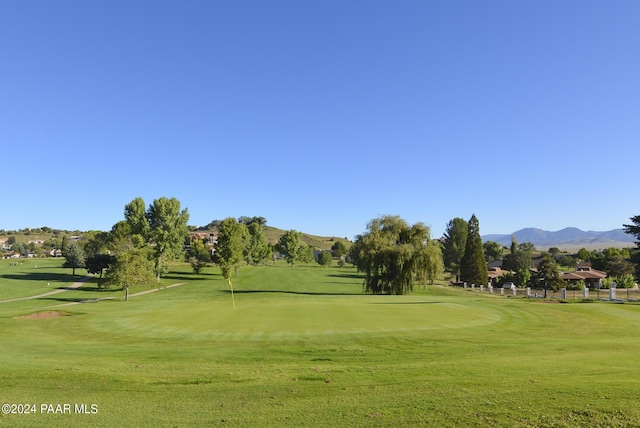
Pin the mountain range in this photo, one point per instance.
(569, 238)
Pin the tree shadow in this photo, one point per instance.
(76, 299)
(347, 275)
(305, 293)
(93, 289)
(403, 303)
(189, 277)
(42, 276)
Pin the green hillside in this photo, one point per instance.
(319, 242)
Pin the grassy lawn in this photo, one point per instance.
(305, 347)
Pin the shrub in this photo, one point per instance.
(578, 285)
(626, 281)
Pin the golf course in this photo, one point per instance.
(305, 346)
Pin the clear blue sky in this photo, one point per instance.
(321, 115)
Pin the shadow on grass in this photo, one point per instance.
(405, 303)
(78, 299)
(43, 276)
(347, 275)
(306, 293)
(92, 289)
(190, 277)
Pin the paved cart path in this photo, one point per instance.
(140, 293)
(79, 284)
(76, 284)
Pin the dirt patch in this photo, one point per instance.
(43, 315)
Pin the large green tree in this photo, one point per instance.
(136, 215)
(289, 246)
(230, 248)
(454, 243)
(231, 245)
(492, 251)
(549, 276)
(167, 231)
(162, 227)
(473, 266)
(95, 242)
(131, 268)
(519, 258)
(121, 239)
(325, 258)
(305, 253)
(199, 255)
(257, 249)
(97, 263)
(74, 256)
(393, 255)
(338, 249)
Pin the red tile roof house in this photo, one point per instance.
(592, 278)
(495, 273)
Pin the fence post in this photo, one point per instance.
(585, 293)
(612, 293)
(563, 293)
(502, 291)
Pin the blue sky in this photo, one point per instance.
(321, 115)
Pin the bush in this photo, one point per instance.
(626, 281)
(325, 258)
(606, 283)
(578, 285)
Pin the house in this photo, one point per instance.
(584, 272)
(495, 273)
(55, 253)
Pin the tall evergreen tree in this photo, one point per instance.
(634, 229)
(454, 244)
(473, 269)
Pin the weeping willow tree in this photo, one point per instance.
(394, 255)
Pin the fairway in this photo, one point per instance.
(305, 347)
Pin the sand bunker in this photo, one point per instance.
(43, 315)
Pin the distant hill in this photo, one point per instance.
(273, 234)
(567, 239)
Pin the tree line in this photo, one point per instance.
(392, 255)
(137, 249)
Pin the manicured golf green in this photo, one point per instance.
(305, 347)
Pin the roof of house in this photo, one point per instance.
(584, 274)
